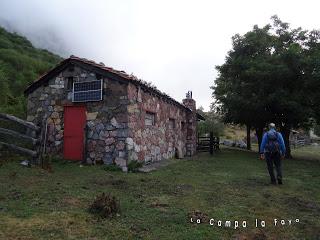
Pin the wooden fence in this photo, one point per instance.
(33, 135)
(298, 143)
(208, 143)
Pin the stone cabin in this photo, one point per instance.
(96, 114)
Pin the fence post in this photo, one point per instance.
(211, 143)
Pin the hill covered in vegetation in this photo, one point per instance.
(20, 64)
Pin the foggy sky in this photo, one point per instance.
(173, 44)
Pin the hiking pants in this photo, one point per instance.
(276, 161)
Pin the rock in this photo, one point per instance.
(91, 116)
(120, 145)
(90, 134)
(114, 122)
(112, 133)
(90, 124)
(179, 152)
(50, 121)
(109, 141)
(46, 90)
(30, 104)
(109, 148)
(102, 135)
(58, 108)
(136, 147)
(30, 118)
(129, 142)
(54, 115)
(57, 121)
(122, 133)
(56, 86)
(121, 162)
(139, 98)
(157, 150)
(122, 154)
(107, 159)
(59, 136)
(133, 108)
(89, 161)
(95, 136)
(46, 102)
(43, 97)
(132, 156)
(50, 138)
(109, 127)
(100, 127)
(90, 146)
(57, 143)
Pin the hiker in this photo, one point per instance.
(273, 150)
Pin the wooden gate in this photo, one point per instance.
(34, 136)
(208, 143)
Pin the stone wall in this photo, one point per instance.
(154, 143)
(191, 143)
(107, 120)
(116, 130)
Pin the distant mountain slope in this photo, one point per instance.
(20, 64)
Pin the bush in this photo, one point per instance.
(317, 130)
(105, 206)
(133, 166)
(111, 167)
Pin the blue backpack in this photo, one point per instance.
(272, 145)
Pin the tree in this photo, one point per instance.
(263, 79)
(312, 72)
(212, 123)
(4, 88)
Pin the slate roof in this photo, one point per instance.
(99, 67)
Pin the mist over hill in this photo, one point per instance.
(40, 37)
(20, 64)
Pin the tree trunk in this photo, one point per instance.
(285, 131)
(259, 132)
(248, 137)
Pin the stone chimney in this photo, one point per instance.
(191, 124)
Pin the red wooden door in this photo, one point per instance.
(74, 123)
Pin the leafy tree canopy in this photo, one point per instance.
(267, 76)
(212, 123)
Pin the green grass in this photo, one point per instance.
(307, 152)
(232, 185)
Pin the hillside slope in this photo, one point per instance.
(20, 64)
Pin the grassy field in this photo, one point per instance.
(232, 185)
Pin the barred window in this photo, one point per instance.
(172, 123)
(183, 126)
(150, 119)
(70, 83)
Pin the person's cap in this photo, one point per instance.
(272, 125)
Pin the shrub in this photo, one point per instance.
(317, 130)
(105, 206)
(111, 167)
(133, 166)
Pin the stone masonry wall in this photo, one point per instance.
(154, 143)
(191, 143)
(107, 120)
(116, 130)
